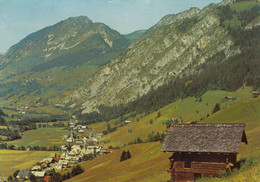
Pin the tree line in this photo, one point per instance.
(31, 148)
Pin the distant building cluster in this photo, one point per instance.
(80, 143)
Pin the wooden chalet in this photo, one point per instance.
(255, 94)
(201, 150)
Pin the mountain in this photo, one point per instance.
(54, 60)
(178, 46)
(134, 35)
(68, 64)
(77, 39)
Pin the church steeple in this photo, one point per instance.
(71, 138)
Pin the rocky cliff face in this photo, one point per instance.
(175, 46)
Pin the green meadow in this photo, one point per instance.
(44, 137)
(12, 160)
(187, 110)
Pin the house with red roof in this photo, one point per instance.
(46, 178)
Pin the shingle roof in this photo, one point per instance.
(223, 138)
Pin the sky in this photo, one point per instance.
(19, 18)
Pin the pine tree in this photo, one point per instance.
(128, 155)
(216, 108)
(123, 156)
(159, 114)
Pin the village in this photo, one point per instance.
(81, 145)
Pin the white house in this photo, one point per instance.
(39, 174)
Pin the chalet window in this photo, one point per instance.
(187, 163)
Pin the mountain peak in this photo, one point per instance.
(169, 19)
(76, 21)
(80, 19)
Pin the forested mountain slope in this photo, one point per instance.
(190, 46)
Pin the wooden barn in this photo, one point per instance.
(201, 150)
(255, 94)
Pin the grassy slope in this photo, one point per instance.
(148, 163)
(41, 137)
(18, 160)
(243, 112)
(187, 110)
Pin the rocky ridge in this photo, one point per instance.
(164, 52)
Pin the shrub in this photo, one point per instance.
(87, 157)
(77, 170)
(10, 178)
(193, 122)
(68, 175)
(168, 123)
(16, 173)
(32, 178)
(151, 121)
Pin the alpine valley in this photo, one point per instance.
(132, 87)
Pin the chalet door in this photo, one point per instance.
(197, 176)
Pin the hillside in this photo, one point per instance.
(148, 163)
(12, 160)
(178, 46)
(51, 62)
(134, 35)
(188, 110)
